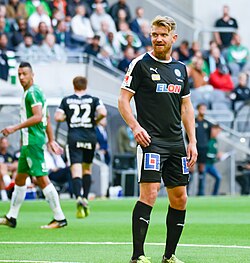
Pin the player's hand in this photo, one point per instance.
(8, 130)
(141, 136)
(56, 148)
(191, 154)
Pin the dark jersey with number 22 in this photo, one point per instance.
(80, 116)
(158, 87)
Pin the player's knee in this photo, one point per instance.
(179, 202)
(149, 197)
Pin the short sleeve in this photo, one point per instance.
(34, 98)
(186, 89)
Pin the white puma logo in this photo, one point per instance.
(180, 224)
(155, 70)
(145, 220)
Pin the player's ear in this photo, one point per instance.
(174, 38)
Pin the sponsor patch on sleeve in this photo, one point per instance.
(127, 81)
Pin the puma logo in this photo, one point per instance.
(155, 70)
(145, 220)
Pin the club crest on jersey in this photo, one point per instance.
(170, 88)
(152, 161)
(155, 77)
(127, 81)
(184, 163)
(177, 72)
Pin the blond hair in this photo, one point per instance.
(164, 21)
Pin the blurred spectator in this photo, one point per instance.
(120, 4)
(31, 6)
(93, 3)
(27, 51)
(37, 17)
(63, 35)
(98, 16)
(139, 20)
(71, 9)
(184, 52)
(144, 34)
(237, 53)
(41, 34)
(16, 9)
(21, 28)
(50, 51)
(244, 178)
(219, 72)
(59, 6)
(82, 31)
(113, 47)
(129, 55)
(199, 77)
(126, 140)
(224, 39)
(123, 33)
(4, 28)
(57, 16)
(202, 131)
(4, 66)
(215, 59)
(241, 93)
(121, 17)
(213, 155)
(94, 47)
(7, 167)
(59, 173)
(195, 47)
(102, 148)
(104, 58)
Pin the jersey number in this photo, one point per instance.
(77, 108)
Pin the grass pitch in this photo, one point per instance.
(217, 230)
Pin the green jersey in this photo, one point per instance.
(35, 134)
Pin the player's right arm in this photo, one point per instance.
(140, 134)
(60, 115)
(33, 120)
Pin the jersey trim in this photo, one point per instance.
(185, 96)
(132, 91)
(35, 104)
(162, 61)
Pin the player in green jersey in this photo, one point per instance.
(34, 126)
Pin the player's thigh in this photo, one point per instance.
(43, 181)
(36, 160)
(149, 162)
(175, 170)
(76, 170)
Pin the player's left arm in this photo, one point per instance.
(33, 120)
(59, 116)
(187, 116)
(56, 148)
(101, 113)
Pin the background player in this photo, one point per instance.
(34, 125)
(82, 113)
(159, 85)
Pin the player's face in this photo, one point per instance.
(162, 41)
(25, 77)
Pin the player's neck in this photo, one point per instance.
(80, 92)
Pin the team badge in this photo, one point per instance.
(184, 162)
(177, 72)
(155, 77)
(152, 161)
(127, 81)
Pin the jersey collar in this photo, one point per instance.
(162, 61)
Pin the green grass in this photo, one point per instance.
(210, 221)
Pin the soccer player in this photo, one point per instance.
(82, 113)
(34, 125)
(160, 88)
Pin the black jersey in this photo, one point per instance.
(80, 116)
(158, 88)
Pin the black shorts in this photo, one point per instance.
(81, 152)
(169, 163)
(202, 154)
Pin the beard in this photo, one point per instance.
(161, 52)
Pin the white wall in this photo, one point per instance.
(210, 11)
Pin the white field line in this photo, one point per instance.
(32, 261)
(119, 243)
